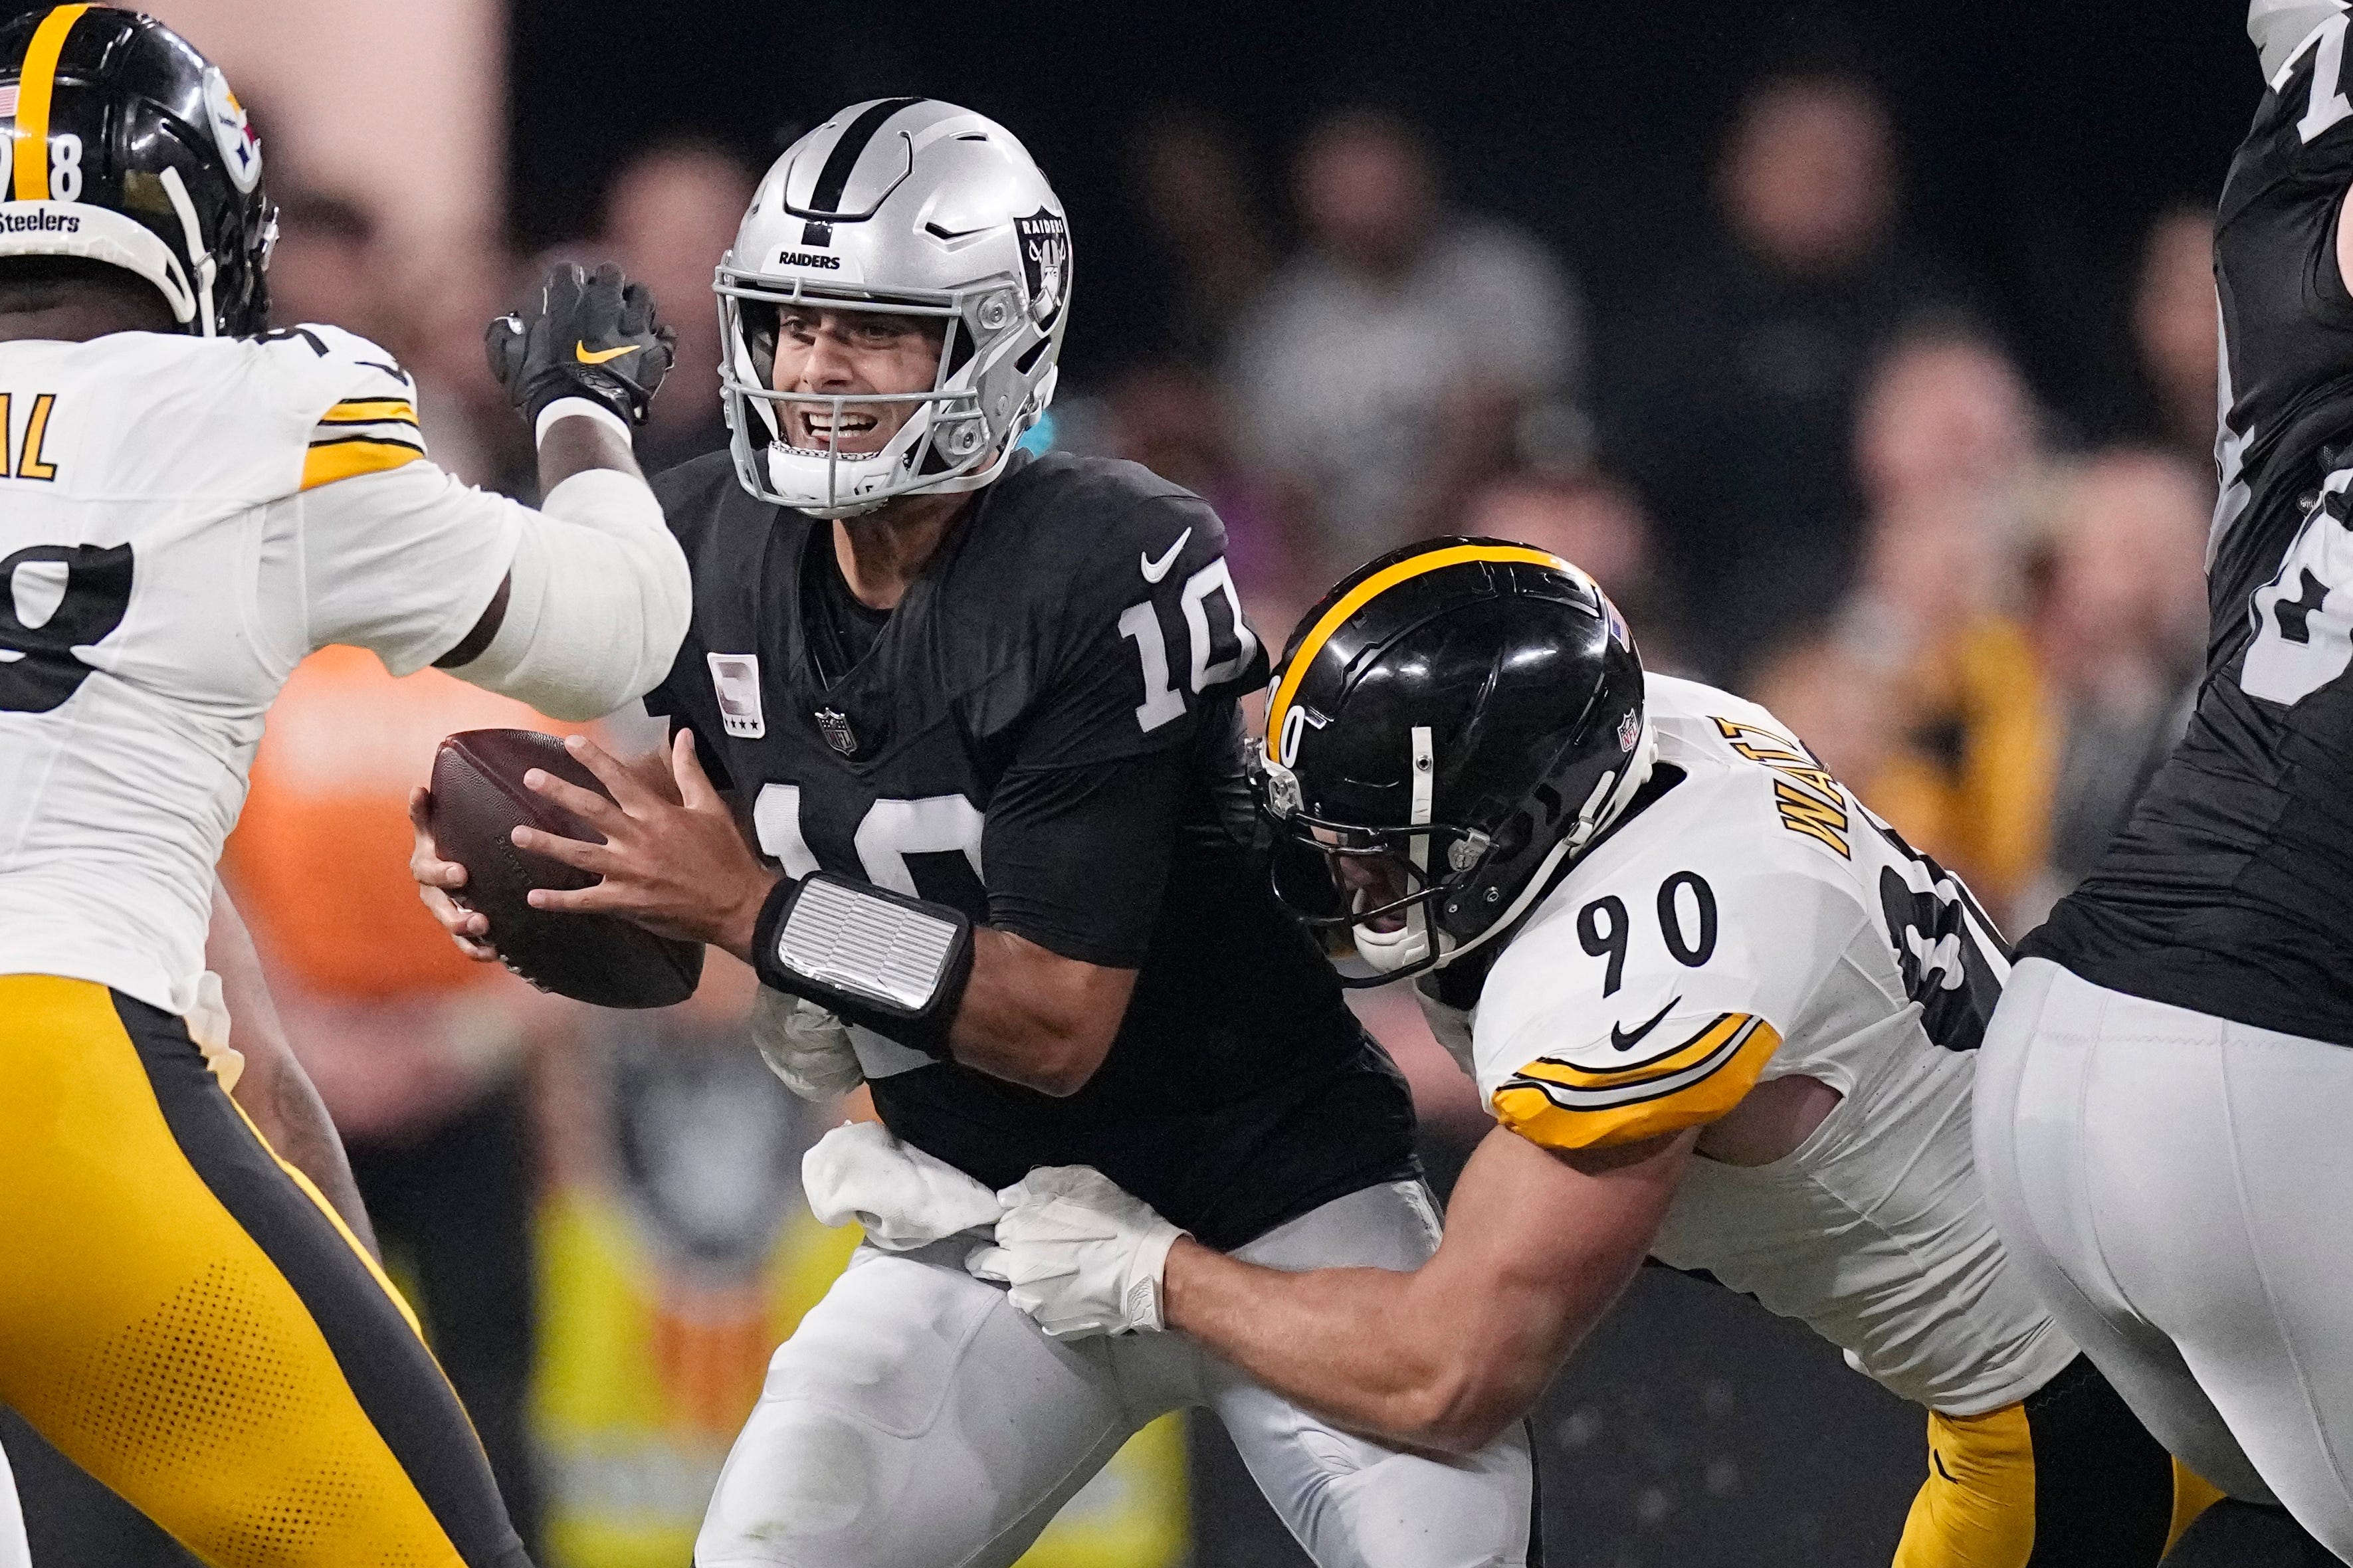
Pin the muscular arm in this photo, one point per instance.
(1538, 1245)
(1033, 1017)
(274, 1090)
(573, 447)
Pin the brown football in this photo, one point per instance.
(479, 799)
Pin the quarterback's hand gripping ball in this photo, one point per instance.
(477, 802)
(1079, 1253)
(903, 1197)
(592, 335)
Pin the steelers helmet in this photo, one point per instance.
(120, 143)
(1453, 723)
(907, 206)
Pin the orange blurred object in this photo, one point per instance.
(320, 859)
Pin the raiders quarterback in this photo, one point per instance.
(188, 506)
(2168, 1084)
(979, 708)
(1722, 1015)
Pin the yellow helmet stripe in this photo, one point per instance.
(1363, 593)
(33, 91)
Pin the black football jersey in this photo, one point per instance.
(1043, 733)
(2231, 890)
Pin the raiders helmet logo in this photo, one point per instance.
(1045, 261)
(834, 725)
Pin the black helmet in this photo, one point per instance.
(1449, 725)
(130, 149)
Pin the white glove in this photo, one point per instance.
(806, 1045)
(905, 1197)
(1082, 1255)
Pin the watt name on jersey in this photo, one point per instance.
(1753, 920)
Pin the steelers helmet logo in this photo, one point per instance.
(239, 147)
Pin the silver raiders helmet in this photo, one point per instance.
(910, 207)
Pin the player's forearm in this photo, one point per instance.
(575, 445)
(1538, 1246)
(1371, 1350)
(273, 1090)
(294, 1119)
(1033, 1017)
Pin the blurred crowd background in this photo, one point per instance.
(1867, 358)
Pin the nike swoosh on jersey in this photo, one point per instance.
(1155, 570)
(1621, 1040)
(581, 352)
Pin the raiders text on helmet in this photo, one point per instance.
(1450, 724)
(906, 206)
(120, 143)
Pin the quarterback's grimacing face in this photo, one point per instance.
(851, 354)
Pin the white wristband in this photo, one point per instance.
(579, 408)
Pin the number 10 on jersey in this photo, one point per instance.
(1219, 652)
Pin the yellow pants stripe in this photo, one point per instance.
(150, 1337)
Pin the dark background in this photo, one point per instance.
(2037, 139)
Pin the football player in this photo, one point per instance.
(1723, 1016)
(188, 506)
(2167, 1085)
(979, 711)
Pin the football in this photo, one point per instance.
(479, 799)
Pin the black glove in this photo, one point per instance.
(591, 337)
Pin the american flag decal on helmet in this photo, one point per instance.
(8, 102)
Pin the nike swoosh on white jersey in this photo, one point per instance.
(1155, 570)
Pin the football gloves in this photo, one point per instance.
(903, 1197)
(591, 335)
(803, 1045)
(1080, 1254)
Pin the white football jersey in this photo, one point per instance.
(1755, 921)
(181, 520)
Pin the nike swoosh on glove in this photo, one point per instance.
(1079, 1253)
(591, 335)
(803, 1045)
(905, 1197)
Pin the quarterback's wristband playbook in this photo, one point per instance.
(891, 963)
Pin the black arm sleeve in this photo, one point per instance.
(1078, 856)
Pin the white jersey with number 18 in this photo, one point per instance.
(181, 520)
(1749, 922)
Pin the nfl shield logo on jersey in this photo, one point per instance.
(736, 678)
(834, 724)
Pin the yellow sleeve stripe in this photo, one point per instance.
(1560, 1107)
(368, 410)
(1720, 1036)
(325, 464)
(36, 80)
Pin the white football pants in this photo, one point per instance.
(918, 1419)
(14, 1553)
(2179, 1189)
